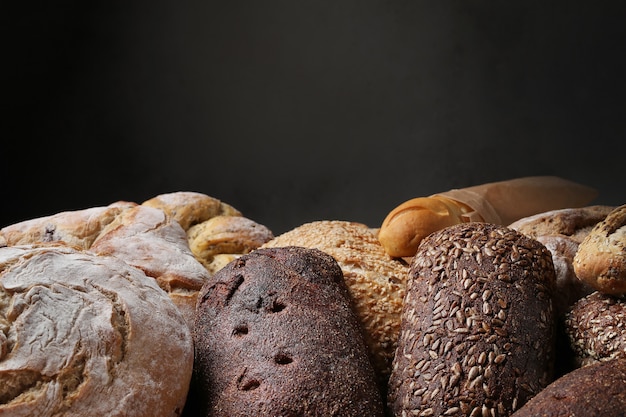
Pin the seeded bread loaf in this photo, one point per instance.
(596, 328)
(597, 390)
(275, 335)
(83, 335)
(375, 280)
(478, 329)
(600, 260)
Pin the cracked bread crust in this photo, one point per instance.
(84, 335)
(275, 335)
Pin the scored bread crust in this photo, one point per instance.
(375, 280)
(600, 260)
(87, 335)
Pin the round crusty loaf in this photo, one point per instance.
(275, 335)
(478, 328)
(597, 390)
(84, 335)
(601, 257)
(596, 328)
(375, 280)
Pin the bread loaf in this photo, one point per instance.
(501, 203)
(596, 327)
(76, 228)
(600, 260)
(189, 208)
(217, 232)
(478, 329)
(84, 335)
(148, 239)
(562, 231)
(275, 335)
(375, 280)
(597, 390)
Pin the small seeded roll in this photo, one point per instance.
(596, 327)
(597, 390)
(275, 335)
(601, 257)
(478, 328)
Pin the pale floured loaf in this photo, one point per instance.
(375, 280)
(149, 239)
(84, 335)
(77, 227)
(478, 328)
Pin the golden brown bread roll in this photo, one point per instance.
(85, 335)
(375, 280)
(600, 260)
(500, 202)
(189, 208)
(220, 239)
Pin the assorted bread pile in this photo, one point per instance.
(502, 299)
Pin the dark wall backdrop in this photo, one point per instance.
(294, 111)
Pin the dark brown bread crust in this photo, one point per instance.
(478, 329)
(591, 391)
(276, 335)
(596, 328)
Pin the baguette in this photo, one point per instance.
(500, 203)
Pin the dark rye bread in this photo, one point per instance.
(478, 330)
(597, 390)
(276, 335)
(596, 328)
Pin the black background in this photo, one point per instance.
(294, 111)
